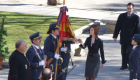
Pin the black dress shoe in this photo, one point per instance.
(123, 68)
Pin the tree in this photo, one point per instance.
(3, 32)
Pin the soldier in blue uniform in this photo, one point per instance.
(134, 58)
(50, 46)
(65, 54)
(35, 56)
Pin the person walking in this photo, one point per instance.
(94, 43)
(127, 25)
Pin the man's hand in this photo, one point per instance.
(103, 65)
(56, 56)
(42, 63)
(115, 39)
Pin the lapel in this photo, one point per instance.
(96, 40)
(128, 21)
(54, 42)
(127, 16)
(39, 52)
(132, 52)
(132, 15)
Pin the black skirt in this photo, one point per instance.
(92, 66)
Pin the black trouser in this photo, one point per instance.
(125, 51)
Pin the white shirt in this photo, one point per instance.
(135, 46)
(54, 36)
(37, 47)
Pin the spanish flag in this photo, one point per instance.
(63, 23)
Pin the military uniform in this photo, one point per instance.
(66, 57)
(19, 68)
(34, 59)
(134, 60)
(50, 46)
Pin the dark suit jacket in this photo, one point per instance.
(94, 49)
(128, 27)
(34, 62)
(134, 63)
(18, 67)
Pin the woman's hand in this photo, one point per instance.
(103, 65)
(80, 41)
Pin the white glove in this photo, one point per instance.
(63, 49)
(77, 38)
(56, 56)
(134, 79)
(42, 63)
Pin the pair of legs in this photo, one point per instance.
(125, 51)
(90, 78)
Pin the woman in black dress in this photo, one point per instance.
(93, 58)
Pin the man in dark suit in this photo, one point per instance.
(134, 58)
(50, 46)
(35, 56)
(19, 68)
(127, 25)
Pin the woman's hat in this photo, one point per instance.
(136, 37)
(52, 26)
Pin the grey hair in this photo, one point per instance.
(18, 43)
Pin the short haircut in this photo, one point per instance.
(129, 4)
(50, 31)
(96, 29)
(18, 43)
(46, 74)
(138, 43)
(32, 40)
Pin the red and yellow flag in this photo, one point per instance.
(64, 26)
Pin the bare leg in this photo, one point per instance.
(92, 78)
(87, 78)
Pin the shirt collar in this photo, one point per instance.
(129, 15)
(37, 47)
(135, 46)
(54, 36)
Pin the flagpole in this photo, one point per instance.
(63, 2)
(57, 51)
